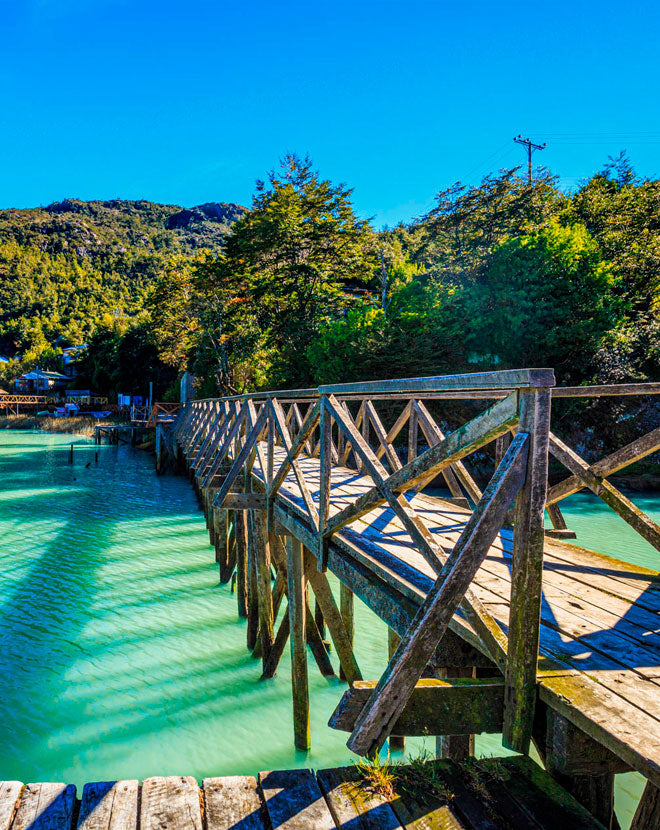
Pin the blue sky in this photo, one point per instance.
(192, 101)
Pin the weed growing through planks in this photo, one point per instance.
(380, 776)
(416, 778)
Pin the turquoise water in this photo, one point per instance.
(121, 654)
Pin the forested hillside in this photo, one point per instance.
(299, 290)
(73, 267)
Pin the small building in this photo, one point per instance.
(38, 382)
(70, 356)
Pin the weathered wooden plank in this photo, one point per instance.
(478, 432)
(109, 805)
(340, 637)
(234, 802)
(10, 792)
(294, 801)
(526, 575)
(45, 807)
(244, 501)
(431, 814)
(606, 390)
(172, 803)
(252, 585)
(457, 706)
(297, 624)
(417, 646)
(624, 729)
(505, 379)
(314, 639)
(434, 435)
(614, 498)
(381, 435)
(352, 806)
(457, 747)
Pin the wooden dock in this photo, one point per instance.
(486, 795)
(495, 626)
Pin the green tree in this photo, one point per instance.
(543, 299)
(296, 260)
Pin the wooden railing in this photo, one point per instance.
(162, 412)
(268, 433)
(273, 435)
(12, 403)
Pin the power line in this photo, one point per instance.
(530, 149)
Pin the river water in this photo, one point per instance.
(121, 654)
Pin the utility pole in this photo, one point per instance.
(530, 149)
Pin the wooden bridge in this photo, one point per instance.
(496, 625)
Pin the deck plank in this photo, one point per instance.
(171, 803)
(109, 805)
(351, 806)
(233, 801)
(10, 792)
(294, 800)
(45, 807)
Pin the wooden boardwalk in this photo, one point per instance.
(489, 795)
(496, 625)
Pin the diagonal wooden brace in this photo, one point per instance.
(431, 621)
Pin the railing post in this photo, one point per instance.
(527, 570)
(325, 438)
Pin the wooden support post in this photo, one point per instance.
(240, 531)
(455, 747)
(647, 815)
(253, 601)
(296, 611)
(325, 471)
(596, 793)
(527, 572)
(397, 742)
(501, 446)
(320, 624)
(582, 766)
(323, 593)
(347, 611)
(413, 432)
(264, 594)
(559, 528)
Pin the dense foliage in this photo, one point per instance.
(300, 290)
(75, 268)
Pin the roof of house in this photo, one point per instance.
(40, 374)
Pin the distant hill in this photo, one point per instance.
(66, 266)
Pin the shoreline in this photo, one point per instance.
(78, 425)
